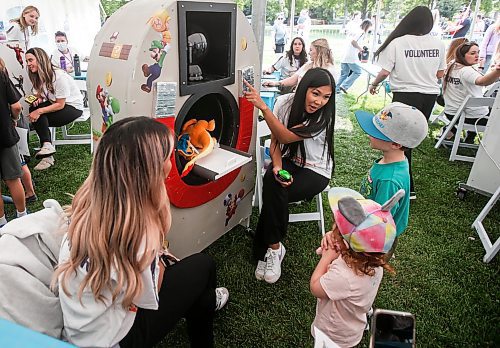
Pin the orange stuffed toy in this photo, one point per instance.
(195, 142)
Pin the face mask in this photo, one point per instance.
(62, 46)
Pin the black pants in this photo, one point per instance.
(53, 119)
(424, 103)
(273, 219)
(187, 291)
(279, 48)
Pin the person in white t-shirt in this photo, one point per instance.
(354, 23)
(58, 102)
(350, 63)
(436, 28)
(301, 127)
(321, 57)
(24, 27)
(414, 61)
(65, 51)
(462, 80)
(118, 284)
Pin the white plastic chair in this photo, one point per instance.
(460, 117)
(68, 139)
(263, 131)
(492, 90)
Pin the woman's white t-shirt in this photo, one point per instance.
(15, 33)
(68, 57)
(286, 69)
(65, 87)
(461, 82)
(317, 158)
(413, 62)
(92, 323)
(303, 69)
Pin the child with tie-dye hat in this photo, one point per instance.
(350, 270)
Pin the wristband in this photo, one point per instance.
(374, 84)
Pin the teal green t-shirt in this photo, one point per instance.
(382, 182)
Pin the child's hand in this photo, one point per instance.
(330, 254)
(328, 240)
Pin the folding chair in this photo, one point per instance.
(263, 131)
(460, 117)
(492, 91)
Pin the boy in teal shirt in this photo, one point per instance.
(395, 128)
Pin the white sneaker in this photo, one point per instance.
(260, 270)
(221, 298)
(273, 264)
(45, 163)
(47, 150)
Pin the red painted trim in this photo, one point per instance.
(186, 196)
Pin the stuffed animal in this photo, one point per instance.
(195, 142)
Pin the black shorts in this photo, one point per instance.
(10, 166)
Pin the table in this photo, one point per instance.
(372, 70)
(82, 77)
(268, 94)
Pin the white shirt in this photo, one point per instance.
(65, 87)
(413, 62)
(68, 57)
(317, 158)
(93, 323)
(286, 69)
(15, 33)
(351, 53)
(303, 69)
(461, 82)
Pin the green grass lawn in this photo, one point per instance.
(440, 274)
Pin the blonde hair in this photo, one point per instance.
(45, 76)
(22, 22)
(323, 54)
(2, 65)
(121, 213)
(450, 53)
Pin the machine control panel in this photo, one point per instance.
(246, 73)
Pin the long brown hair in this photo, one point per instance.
(121, 213)
(450, 53)
(460, 53)
(46, 74)
(22, 22)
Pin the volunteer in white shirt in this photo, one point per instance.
(414, 62)
(25, 26)
(462, 80)
(58, 103)
(63, 50)
(351, 62)
(321, 57)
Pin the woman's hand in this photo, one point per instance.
(37, 102)
(373, 89)
(269, 84)
(276, 169)
(35, 115)
(253, 97)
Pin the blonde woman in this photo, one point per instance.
(58, 103)
(25, 26)
(321, 57)
(117, 283)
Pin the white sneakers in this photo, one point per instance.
(47, 150)
(270, 269)
(45, 163)
(221, 298)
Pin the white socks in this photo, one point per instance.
(3, 220)
(20, 214)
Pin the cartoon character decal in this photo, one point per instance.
(19, 84)
(158, 48)
(231, 203)
(385, 115)
(19, 51)
(110, 106)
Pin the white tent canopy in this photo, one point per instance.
(80, 20)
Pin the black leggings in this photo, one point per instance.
(273, 218)
(53, 119)
(424, 103)
(187, 291)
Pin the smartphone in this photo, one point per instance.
(30, 99)
(392, 329)
(284, 176)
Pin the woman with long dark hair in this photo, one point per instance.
(290, 62)
(58, 102)
(302, 144)
(414, 62)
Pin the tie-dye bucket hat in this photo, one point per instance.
(364, 224)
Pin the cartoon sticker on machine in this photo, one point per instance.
(231, 203)
(195, 142)
(110, 106)
(19, 53)
(158, 48)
